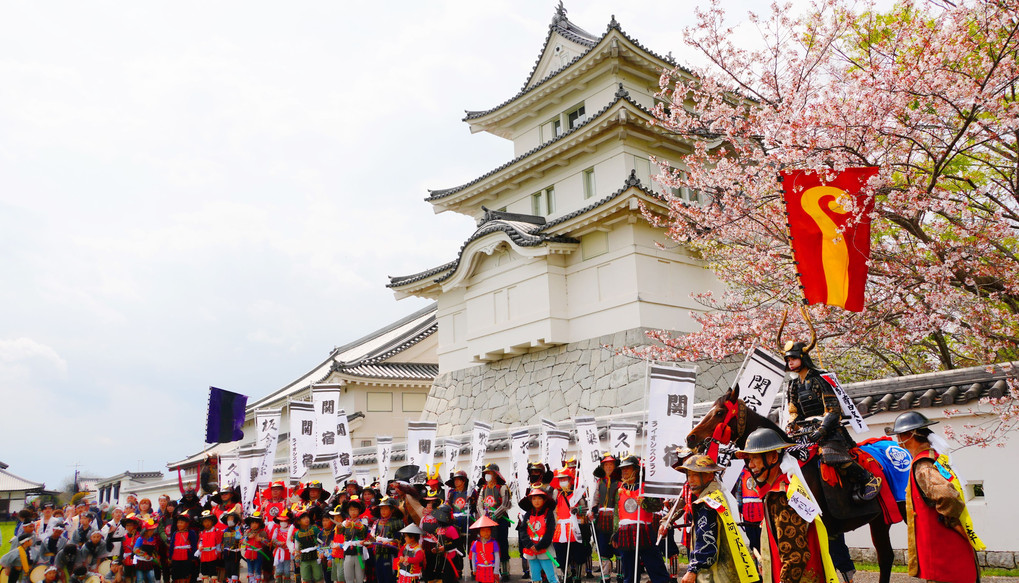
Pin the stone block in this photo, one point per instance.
(868, 555)
(599, 411)
(636, 371)
(573, 394)
(618, 378)
(540, 402)
(586, 382)
(557, 404)
(899, 556)
(559, 370)
(602, 384)
(1000, 559)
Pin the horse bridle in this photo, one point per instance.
(723, 434)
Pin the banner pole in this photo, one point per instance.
(746, 359)
(640, 470)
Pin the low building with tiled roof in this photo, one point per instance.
(13, 491)
(563, 266)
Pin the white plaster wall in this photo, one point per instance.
(994, 516)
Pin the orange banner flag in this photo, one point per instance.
(829, 229)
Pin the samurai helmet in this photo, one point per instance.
(434, 477)
(800, 350)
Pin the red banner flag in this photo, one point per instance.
(829, 228)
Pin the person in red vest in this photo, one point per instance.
(539, 519)
(181, 549)
(274, 503)
(939, 544)
(485, 552)
(570, 551)
(634, 513)
(131, 524)
(751, 508)
(790, 548)
(411, 560)
(210, 548)
(282, 562)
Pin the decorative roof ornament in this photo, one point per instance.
(560, 15)
(613, 23)
(622, 93)
(632, 179)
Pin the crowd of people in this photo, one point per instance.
(445, 531)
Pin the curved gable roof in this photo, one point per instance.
(621, 95)
(530, 86)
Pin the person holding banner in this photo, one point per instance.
(634, 513)
(794, 544)
(494, 502)
(603, 510)
(816, 415)
(571, 552)
(941, 536)
(717, 552)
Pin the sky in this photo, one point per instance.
(214, 193)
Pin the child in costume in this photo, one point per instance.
(282, 560)
(541, 524)
(385, 534)
(485, 552)
(253, 546)
(355, 531)
(146, 549)
(233, 533)
(412, 556)
(210, 548)
(306, 540)
(183, 545)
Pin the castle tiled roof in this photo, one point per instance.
(523, 230)
(529, 232)
(621, 95)
(948, 389)
(585, 39)
(367, 356)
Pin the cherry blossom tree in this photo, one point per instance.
(927, 93)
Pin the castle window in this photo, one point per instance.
(543, 202)
(379, 401)
(589, 183)
(575, 116)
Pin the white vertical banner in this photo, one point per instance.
(325, 400)
(759, 385)
(384, 454)
(558, 443)
(250, 458)
(623, 438)
(302, 438)
(267, 425)
(343, 467)
(479, 445)
(363, 477)
(451, 449)
(546, 426)
(421, 443)
(761, 381)
(587, 442)
(229, 470)
(518, 458)
(848, 406)
(670, 418)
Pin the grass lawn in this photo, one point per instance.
(6, 532)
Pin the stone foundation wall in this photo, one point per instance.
(581, 378)
(997, 559)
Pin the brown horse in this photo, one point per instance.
(743, 423)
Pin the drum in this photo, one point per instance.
(104, 567)
(94, 579)
(38, 573)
